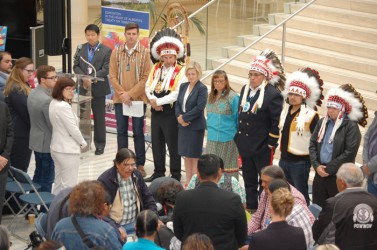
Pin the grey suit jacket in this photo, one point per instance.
(38, 104)
(101, 60)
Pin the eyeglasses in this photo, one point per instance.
(128, 165)
(218, 81)
(69, 89)
(30, 71)
(51, 77)
(255, 75)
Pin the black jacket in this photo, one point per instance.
(348, 220)
(110, 181)
(212, 211)
(257, 131)
(6, 131)
(346, 143)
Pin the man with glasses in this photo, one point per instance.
(5, 69)
(127, 189)
(40, 131)
(259, 114)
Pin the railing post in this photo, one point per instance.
(283, 44)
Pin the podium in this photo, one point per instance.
(81, 104)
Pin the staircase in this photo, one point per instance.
(338, 38)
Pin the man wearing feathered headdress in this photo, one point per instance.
(336, 139)
(303, 90)
(258, 126)
(162, 91)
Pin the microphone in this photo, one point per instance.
(77, 51)
(91, 65)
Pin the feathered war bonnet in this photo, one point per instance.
(268, 64)
(307, 83)
(167, 42)
(348, 101)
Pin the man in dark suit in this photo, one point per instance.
(98, 55)
(6, 142)
(210, 210)
(349, 218)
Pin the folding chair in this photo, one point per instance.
(33, 198)
(13, 189)
(41, 225)
(315, 209)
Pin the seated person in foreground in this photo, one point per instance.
(226, 182)
(262, 216)
(128, 191)
(278, 234)
(349, 219)
(146, 227)
(86, 204)
(210, 210)
(298, 217)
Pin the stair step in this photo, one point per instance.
(326, 57)
(326, 27)
(328, 42)
(239, 67)
(369, 6)
(345, 16)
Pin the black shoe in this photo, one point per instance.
(152, 177)
(177, 177)
(99, 151)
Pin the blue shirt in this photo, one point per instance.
(141, 244)
(327, 148)
(222, 118)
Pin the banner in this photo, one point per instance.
(3, 37)
(115, 15)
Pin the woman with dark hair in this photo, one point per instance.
(222, 110)
(286, 237)
(84, 229)
(16, 92)
(66, 138)
(198, 241)
(127, 189)
(146, 229)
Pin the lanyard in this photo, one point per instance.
(90, 56)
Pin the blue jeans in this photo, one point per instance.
(138, 133)
(297, 174)
(372, 187)
(130, 228)
(44, 173)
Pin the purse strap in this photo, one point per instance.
(84, 237)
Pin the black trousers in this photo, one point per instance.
(98, 108)
(164, 128)
(3, 182)
(251, 170)
(323, 188)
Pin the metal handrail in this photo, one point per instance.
(263, 36)
(196, 12)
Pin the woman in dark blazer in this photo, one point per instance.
(16, 92)
(285, 237)
(189, 110)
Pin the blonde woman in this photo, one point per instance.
(16, 92)
(222, 114)
(189, 110)
(66, 138)
(285, 237)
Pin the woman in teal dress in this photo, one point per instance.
(222, 110)
(146, 230)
